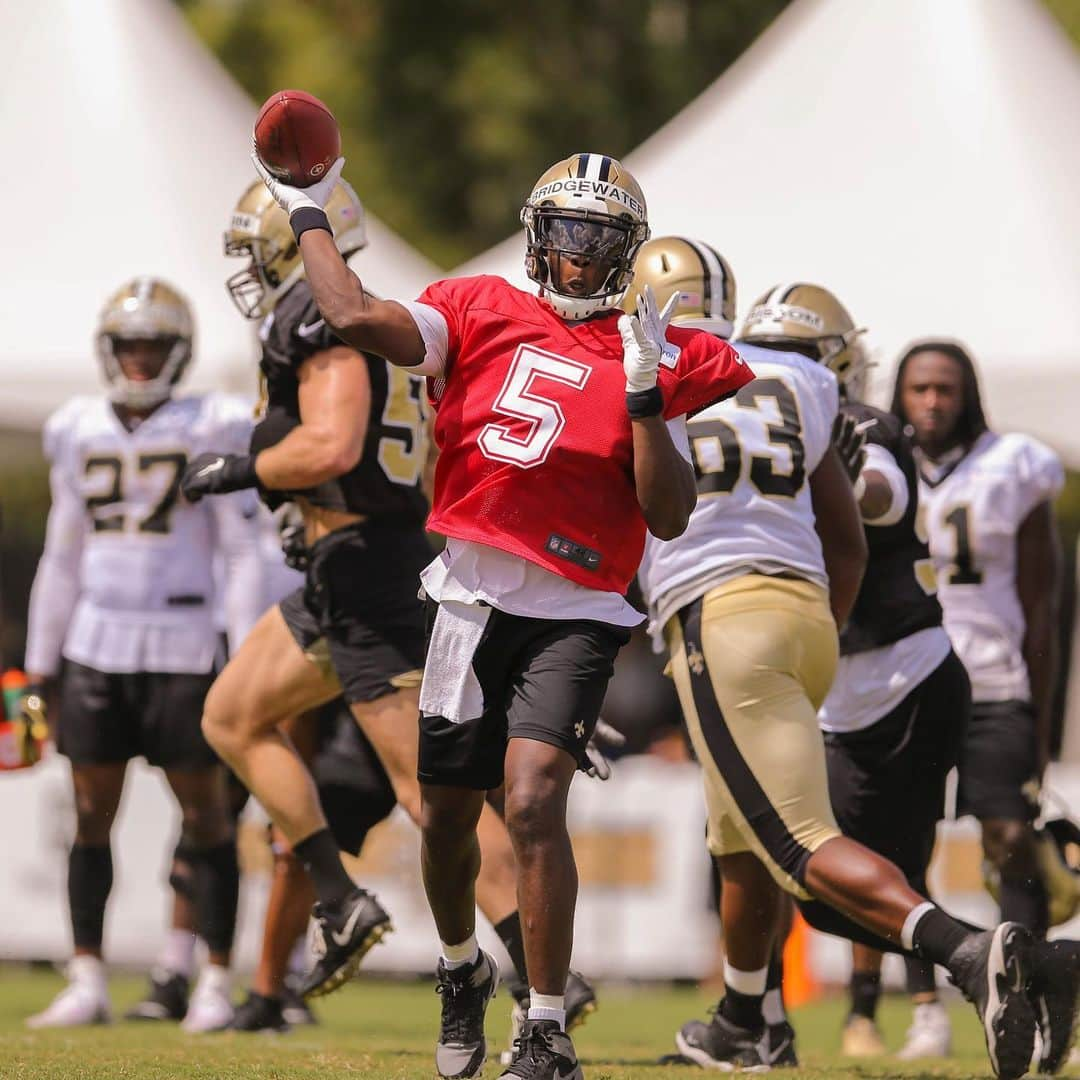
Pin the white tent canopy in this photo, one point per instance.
(919, 157)
(128, 146)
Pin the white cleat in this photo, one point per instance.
(930, 1034)
(84, 1001)
(210, 1007)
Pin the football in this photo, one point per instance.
(296, 137)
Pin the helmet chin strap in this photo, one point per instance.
(574, 309)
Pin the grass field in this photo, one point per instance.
(386, 1030)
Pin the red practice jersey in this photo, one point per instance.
(536, 450)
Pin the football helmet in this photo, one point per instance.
(260, 230)
(697, 272)
(801, 314)
(145, 308)
(586, 207)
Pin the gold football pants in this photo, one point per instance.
(752, 660)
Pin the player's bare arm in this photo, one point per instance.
(839, 526)
(663, 478)
(1038, 585)
(334, 397)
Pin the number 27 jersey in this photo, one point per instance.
(753, 456)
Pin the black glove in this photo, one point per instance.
(294, 546)
(605, 739)
(216, 474)
(850, 443)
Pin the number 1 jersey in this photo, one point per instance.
(536, 447)
(973, 509)
(753, 456)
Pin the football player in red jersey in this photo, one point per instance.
(560, 422)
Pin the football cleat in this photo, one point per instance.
(1053, 990)
(543, 1051)
(465, 993)
(167, 998)
(210, 1008)
(580, 1002)
(294, 1008)
(930, 1034)
(780, 1045)
(85, 1000)
(341, 939)
(861, 1038)
(259, 1013)
(720, 1044)
(990, 970)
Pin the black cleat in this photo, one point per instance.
(167, 998)
(543, 1052)
(259, 1013)
(580, 1002)
(720, 1044)
(1053, 990)
(780, 1043)
(341, 939)
(465, 992)
(294, 1008)
(990, 969)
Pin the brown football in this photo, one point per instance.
(296, 137)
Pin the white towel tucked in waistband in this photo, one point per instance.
(450, 687)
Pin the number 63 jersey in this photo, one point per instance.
(126, 582)
(753, 455)
(972, 510)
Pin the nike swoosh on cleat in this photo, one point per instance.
(341, 938)
(310, 329)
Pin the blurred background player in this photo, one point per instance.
(987, 501)
(896, 712)
(344, 436)
(750, 599)
(556, 458)
(125, 594)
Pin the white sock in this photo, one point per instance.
(88, 970)
(772, 1007)
(915, 916)
(298, 958)
(751, 983)
(215, 977)
(456, 956)
(178, 953)
(548, 1007)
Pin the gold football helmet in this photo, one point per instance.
(260, 229)
(801, 314)
(590, 208)
(145, 309)
(698, 273)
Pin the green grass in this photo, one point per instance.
(386, 1030)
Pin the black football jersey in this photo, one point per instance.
(896, 597)
(385, 483)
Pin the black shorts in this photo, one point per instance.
(999, 767)
(359, 601)
(108, 718)
(355, 792)
(887, 781)
(542, 679)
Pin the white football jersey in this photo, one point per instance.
(972, 514)
(753, 455)
(126, 582)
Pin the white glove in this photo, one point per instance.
(653, 322)
(643, 338)
(604, 737)
(290, 198)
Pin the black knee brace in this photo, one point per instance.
(182, 871)
(216, 890)
(90, 878)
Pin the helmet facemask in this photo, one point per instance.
(255, 288)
